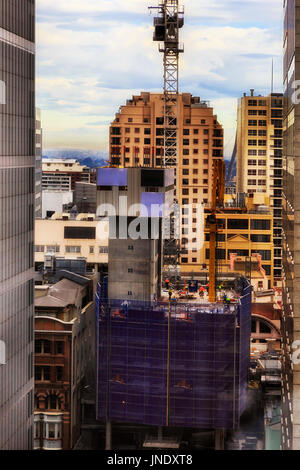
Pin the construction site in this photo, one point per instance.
(173, 352)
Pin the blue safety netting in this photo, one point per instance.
(207, 369)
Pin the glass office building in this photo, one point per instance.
(17, 169)
(290, 417)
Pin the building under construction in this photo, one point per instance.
(169, 365)
(178, 365)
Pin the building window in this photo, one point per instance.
(130, 270)
(186, 142)
(129, 293)
(147, 131)
(262, 162)
(252, 122)
(42, 373)
(92, 250)
(251, 182)
(73, 249)
(265, 254)
(52, 430)
(39, 248)
(252, 142)
(130, 120)
(267, 268)
(186, 152)
(130, 247)
(258, 224)
(42, 346)
(186, 162)
(186, 132)
(59, 373)
(53, 248)
(103, 249)
(233, 224)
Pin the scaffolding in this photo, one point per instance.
(177, 365)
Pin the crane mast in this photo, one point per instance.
(167, 24)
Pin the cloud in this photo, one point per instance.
(92, 56)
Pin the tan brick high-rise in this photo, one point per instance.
(137, 139)
(259, 157)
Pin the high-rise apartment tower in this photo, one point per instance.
(137, 139)
(259, 158)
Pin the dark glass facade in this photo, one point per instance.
(291, 220)
(17, 182)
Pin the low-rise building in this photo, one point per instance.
(244, 243)
(62, 174)
(58, 357)
(83, 237)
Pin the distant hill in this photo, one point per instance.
(89, 158)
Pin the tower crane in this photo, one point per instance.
(167, 23)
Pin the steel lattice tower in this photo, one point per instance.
(167, 24)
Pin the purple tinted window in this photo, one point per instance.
(112, 177)
(150, 200)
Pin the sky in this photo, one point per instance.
(92, 55)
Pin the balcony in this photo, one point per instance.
(52, 444)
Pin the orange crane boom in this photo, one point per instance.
(218, 191)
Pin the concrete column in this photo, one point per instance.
(219, 439)
(108, 436)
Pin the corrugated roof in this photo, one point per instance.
(61, 294)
